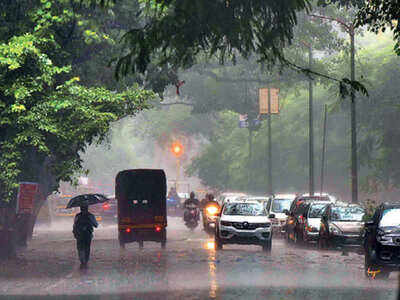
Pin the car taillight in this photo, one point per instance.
(106, 206)
(128, 230)
(158, 228)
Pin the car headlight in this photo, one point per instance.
(225, 223)
(335, 230)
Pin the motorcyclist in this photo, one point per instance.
(191, 201)
(209, 200)
(174, 196)
(83, 233)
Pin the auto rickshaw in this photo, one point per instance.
(142, 209)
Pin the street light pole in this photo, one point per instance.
(354, 160)
(310, 126)
(354, 164)
(323, 150)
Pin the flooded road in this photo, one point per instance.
(189, 267)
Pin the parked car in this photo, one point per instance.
(382, 241)
(244, 222)
(341, 226)
(296, 216)
(276, 206)
(312, 222)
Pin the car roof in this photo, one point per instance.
(319, 203)
(285, 196)
(344, 204)
(257, 197)
(391, 205)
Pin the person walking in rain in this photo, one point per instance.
(83, 233)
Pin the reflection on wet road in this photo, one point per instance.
(189, 267)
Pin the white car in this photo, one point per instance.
(313, 222)
(244, 222)
(278, 204)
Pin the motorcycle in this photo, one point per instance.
(191, 216)
(210, 215)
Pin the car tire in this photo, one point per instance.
(141, 245)
(267, 246)
(163, 244)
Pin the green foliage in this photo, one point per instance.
(46, 116)
(177, 31)
(379, 15)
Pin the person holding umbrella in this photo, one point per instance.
(83, 233)
(84, 223)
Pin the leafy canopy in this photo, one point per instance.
(46, 116)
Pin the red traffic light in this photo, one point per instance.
(177, 149)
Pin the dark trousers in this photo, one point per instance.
(83, 247)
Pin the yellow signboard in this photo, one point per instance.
(263, 100)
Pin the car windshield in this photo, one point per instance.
(279, 205)
(316, 210)
(244, 209)
(347, 213)
(390, 217)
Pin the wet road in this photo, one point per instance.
(188, 268)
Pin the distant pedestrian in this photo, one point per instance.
(83, 232)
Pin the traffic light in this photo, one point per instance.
(177, 149)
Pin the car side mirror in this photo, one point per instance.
(286, 212)
(271, 216)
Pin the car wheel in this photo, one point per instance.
(141, 244)
(163, 244)
(267, 246)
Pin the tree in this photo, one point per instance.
(47, 117)
(179, 30)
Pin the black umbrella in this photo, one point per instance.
(86, 200)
